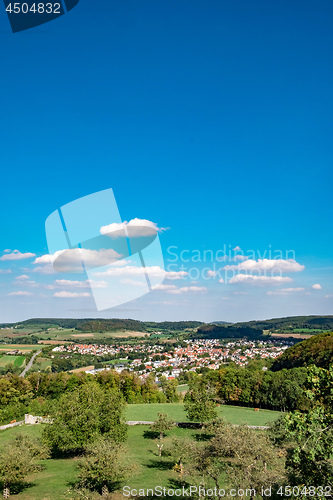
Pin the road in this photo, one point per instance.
(29, 365)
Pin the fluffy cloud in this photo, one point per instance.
(21, 293)
(282, 265)
(71, 260)
(44, 270)
(129, 281)
(134, 271)
(23, 277)
(81, 284)
(17, 255)
(287, 291)
(211, 273)
(316, 286)
(5, 271)
(240, 257)
(163, 287)
(236, 249)
(135, 228)
(188, 289)
(249, 279)
(70, 295)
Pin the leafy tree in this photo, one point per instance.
(199, 403)
(246, 457)
(83, 415)
(161, 425)
(310, 434)
(103, 466)
(20, 459)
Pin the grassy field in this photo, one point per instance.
(11, 360)
(233, 414)
(183, 388)
(42, 363)
(150, 470)
(21, 347)
(54, 481)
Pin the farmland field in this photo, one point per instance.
(14, 360)
(21, 347)
(291, 334)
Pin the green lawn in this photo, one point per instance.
(149, 470)
(11, 360)
(183, 388)
(42, 363)
(175, 411)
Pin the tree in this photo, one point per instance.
(199, 403)
(161, 425)
(83, 415)
(20, 459)
(309, 434)
(103, 466)
(246, 457)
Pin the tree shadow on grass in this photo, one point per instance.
(151, 434)
(160, 465)
(202, 436)
(18, 487)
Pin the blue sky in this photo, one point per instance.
(212, 119)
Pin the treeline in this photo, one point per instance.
(38, 392)
(283, 390)
(105, 325)
(317, 350)
(292, 322)
(214, 331)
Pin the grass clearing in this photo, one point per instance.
(234, 414)
(42, 363)
(11, 360)
(150, 470)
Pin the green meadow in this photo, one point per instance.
(11, 360)
(233, 414)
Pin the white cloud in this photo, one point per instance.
(23, 277)
(81, 284)
(240, 257)
(163, 287)
(258, 280)
(211, 273)
(316, 286)
(5, 271)
(70, 295)
(44, 270)
(70, 260)
(21, 293)
(236, 249)
(328, 296)
(281, 265)
(17, 255)
(286, 291)
(134, 271)
(221, 280)
(135, 228)
(8, 250)
(129, 281)
(188, 289)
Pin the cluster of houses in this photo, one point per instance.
(191, 355)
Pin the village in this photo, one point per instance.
(192, 355)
